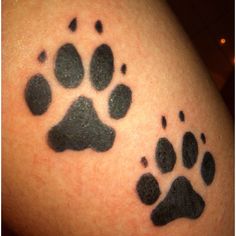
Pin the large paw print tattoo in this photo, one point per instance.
(181, 200)
(81, 127)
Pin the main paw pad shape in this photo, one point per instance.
(80, 129)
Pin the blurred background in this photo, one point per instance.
(210, 26)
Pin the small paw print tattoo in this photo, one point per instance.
(181, 200)
(81, 127)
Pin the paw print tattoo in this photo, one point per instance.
(181, 200)
(81, 127)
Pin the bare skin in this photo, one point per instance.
(90, 193)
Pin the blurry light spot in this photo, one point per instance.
(222, 41)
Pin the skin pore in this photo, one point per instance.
(99, 187)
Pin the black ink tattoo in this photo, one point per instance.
(144, 162)
(119, 101)
(81, 127)
(181, 116)
(203, 138)
(148, 189)
(123, 69)
(181, 200)
(102, 67)
(38, 94)
(73, 25)
(42, 56)
(189, 150)
(98, 26)
(165, 155)
(69, 69)
(163, 122)
(208, 168)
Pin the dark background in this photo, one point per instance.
(210, 26)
